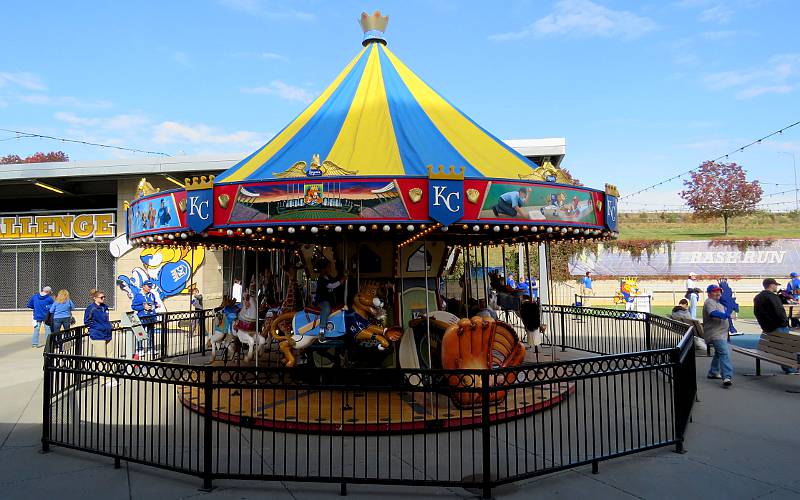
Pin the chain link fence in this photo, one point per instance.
(77, 266)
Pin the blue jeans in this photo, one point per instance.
(722, 359)
(693, 305)
(36, 328)
(324, 314)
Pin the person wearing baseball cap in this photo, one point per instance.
(770, 314)
(793, 287)
(715, 329)
(40, 303)
(145, 304)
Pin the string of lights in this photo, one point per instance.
(26, 135)
(737, 150)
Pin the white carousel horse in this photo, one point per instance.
(244, 328)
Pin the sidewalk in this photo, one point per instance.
(743, 443)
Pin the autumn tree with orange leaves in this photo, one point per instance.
(721, 190)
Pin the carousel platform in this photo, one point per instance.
(362, 410)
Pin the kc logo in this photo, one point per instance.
(199, 209)
(445, 196)
(611, 212)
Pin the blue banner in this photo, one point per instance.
(611, 212)
(445, 200)
(199, 209)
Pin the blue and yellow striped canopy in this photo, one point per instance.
(379, 118)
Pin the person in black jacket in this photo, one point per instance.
(770, 314)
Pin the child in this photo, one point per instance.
(325, 295)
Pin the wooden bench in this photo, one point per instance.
(778, 348)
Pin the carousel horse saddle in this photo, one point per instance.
(316, 310)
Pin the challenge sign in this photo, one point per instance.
(199, 203)
(445, 195)
(57, 226)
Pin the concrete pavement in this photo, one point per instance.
(743, 443)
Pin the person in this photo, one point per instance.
(164, 217)
(793, 287)
(61, 310)
(95, 317)
(145, 304)
(325, 295)
(197, 307)
(40, 303)
(729, 301)
(511, 203)
(586, 288)
(522, 286)
(534, 288)
(770, 314)
(681, 313)
(484, 311)
(715, 328)
(236, 290)
(510, 281)
(692, 294)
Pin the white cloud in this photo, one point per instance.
(716, 11)
(583, 18)
(780, 74)
(27, 81)
(283, 90)
(272, 56)
(268, 9)
(170, 132)
(68, 101)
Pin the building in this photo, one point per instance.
(63, 225)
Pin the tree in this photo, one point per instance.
(35, 158)
(721, 190)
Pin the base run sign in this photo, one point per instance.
(57, 226)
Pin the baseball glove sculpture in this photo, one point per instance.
(480, 344)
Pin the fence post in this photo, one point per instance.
(163, 336)
(201, 330)
(563, 330)
(485, 435)
(46, 398)
(647, 340)
(208, 388)
(679, 394)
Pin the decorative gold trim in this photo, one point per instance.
(374, 22)
(327, 168)
(612, 190)
(223, 200)
(547, 170)
(415, 195)
(442, 175)
(201, 182)
(473, 195)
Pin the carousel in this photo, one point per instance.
(351, 220)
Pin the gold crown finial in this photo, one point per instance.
(201, 182)
(442, 175)
(373, 27)
(612, 190)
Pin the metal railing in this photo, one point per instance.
(404, 426)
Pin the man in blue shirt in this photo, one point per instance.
(793, 287)
(715, 331)
(523, 286)
(510, 204)
(40, 303)
(586, 289)
(145, 304)
(510, 281)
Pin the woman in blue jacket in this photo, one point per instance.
(61, 310)
(96, 319)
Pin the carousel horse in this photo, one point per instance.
(480, 344)
(244, 328)
(144, 188)
(221, 338)
(297, 331)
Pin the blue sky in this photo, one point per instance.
(640, 90)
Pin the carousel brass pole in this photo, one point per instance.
(258, 332)
(427, 301)
(189, 332)
(467, 279)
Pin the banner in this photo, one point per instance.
(57, 226)
(709, 258)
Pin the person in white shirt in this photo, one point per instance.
(692, 295)
(236, 291)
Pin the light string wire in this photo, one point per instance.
(26, 135)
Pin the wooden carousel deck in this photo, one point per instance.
(361, 410)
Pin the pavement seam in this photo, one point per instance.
(24, 409)
(735, 473)
(128, 478)
(594, 477)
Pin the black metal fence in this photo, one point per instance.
(237, 422)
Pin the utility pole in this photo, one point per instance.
(794, 167)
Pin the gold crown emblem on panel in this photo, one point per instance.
(374, 22)
(201, 182)
(612, 190)
(442, 175)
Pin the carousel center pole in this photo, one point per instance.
(427, 301)
(191, 321)
(257, 310)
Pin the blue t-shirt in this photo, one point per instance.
(587, 282)
(62, 310)
(794, 287)
(510, 282)
(512, 198)
(524, 287)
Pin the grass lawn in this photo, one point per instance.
(677, 227)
